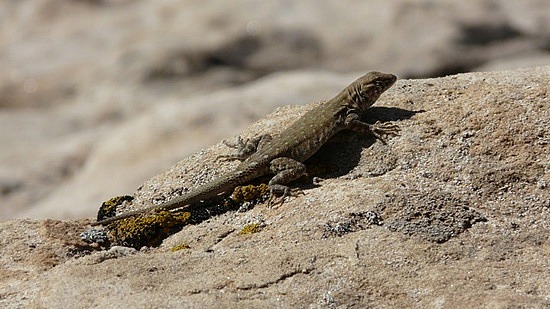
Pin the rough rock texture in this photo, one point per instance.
(455, 212)
(83, 83)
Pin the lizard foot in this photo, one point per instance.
(242, 150)
(381, 130)
(278, 193)
(245, 148)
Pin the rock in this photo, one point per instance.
(454, 212)
(77, 76)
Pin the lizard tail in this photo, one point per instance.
(206, 191)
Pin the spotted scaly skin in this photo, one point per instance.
(283, 155)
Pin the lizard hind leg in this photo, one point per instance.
(286, 170)
(245, 148)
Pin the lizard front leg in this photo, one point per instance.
(286, 170)
(378, 130)
(245, 148)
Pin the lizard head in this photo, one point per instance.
(366, 89)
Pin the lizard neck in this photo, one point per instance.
(345, 101)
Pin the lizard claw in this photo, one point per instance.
(277, 200)
(235, 145)
(245, 147)
(381, 130)
(273, 200)
(225, 158)
(286, 191)
(240, 145)
(296, 191)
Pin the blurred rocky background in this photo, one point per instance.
(98, 96)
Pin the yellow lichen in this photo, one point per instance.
(251, 229)
(147, 230)
(250, 193)
(180, 247)
(152, 229)
(109, 207)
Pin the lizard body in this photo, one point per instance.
(284, 154)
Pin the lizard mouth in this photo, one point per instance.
(383, 83)
(387, 82)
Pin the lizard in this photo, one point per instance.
(284, 154)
